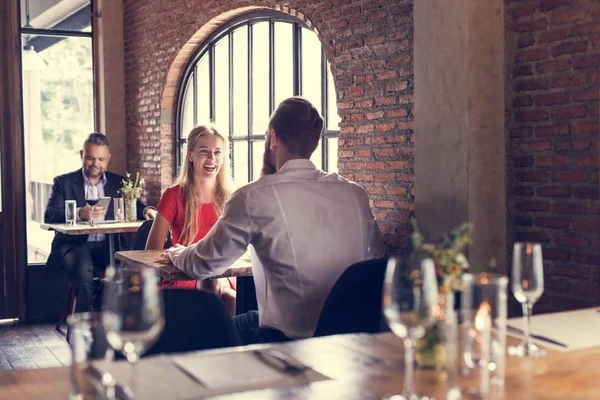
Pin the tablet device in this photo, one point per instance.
(104, 202)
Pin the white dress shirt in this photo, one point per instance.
(304, 228)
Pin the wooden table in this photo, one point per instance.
(110, 229)
(361, 367)
(166, 269)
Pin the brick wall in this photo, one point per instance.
(369, 45)
(553, 87)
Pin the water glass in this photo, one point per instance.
(527, 286)
(70, 212)
(119, 209)
(88, 343)
(481, 338)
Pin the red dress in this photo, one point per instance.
(172, 207)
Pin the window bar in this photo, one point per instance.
(271, 66)
(194, 88)
(324, 94)
(297, 60)
(231, 108)
(250, 93)
(211, 81)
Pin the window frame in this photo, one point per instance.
(23, 31)
(208, 48)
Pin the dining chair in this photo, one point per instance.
(354, 303)
(194, 320)
(141, 236)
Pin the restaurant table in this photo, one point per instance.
(109, 228)
(166, 269)
(359, 366)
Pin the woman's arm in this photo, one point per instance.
(158, 233)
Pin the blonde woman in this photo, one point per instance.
(192, 206)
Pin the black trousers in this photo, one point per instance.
(81, 263)
(247, 327)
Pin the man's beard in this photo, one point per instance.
(268, 167)
(93, 173)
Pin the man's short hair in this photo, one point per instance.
(99, 139)
(298, 125)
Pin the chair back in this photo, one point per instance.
(194, 320)
(354, 303)
(141, 236)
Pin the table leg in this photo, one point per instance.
(111, 249)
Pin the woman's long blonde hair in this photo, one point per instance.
(223, 186)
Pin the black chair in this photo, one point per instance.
(354, 303)
(194, 320)
(141, 236)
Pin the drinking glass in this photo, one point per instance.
(70, 212)
(479, 357)
(91, 197)
(132, 312)
(119, 209)
(88, 344)
(410, 304)
(527, 286)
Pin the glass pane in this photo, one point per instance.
(203, 90)
(333, 119)
(58, 114)
(317, 157)
(332, 155)
(59, 15)
(222, 86)
(240, 163)
(284, 62)
(240, 81)
(260, 77)
(311, 68)
(187, 116)
(258, 152)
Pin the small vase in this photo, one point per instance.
(130, 210)
(433, 350)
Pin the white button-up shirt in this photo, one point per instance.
(304, 228)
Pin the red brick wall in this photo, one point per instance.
(553, 85)
(369, 45)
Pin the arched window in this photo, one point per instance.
(240, 75)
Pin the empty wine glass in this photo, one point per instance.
(132, 312)
(410, 304)
(91, 197)
(527, 286)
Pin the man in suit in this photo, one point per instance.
(81, 255)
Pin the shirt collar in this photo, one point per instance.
(86, 180)
(297, 163)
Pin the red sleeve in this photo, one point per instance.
(178, 284)
(167, 206)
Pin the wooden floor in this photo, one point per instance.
(32, 346)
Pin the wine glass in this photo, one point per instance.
(410, 304)
(132, 312)
(91, 197)
(527, 286)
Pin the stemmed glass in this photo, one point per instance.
(527, 286)
(410, 304)
(91, 197)
(132, 312)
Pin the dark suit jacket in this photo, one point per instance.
(71, 187)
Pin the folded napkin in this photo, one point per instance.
(576, 329)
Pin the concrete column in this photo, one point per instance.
(459, 122)
(110, 67)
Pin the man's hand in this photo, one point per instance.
(150, 213)
(171, 254)
(86, 213)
